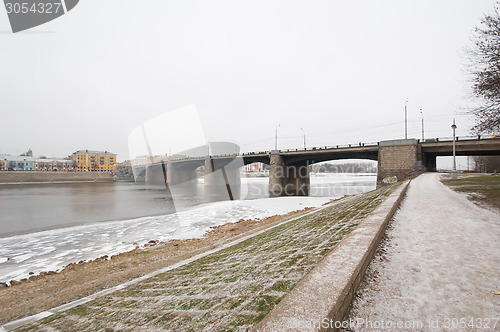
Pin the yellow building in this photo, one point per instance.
(94, 161)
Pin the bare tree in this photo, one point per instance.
(487, 164)
(484, 66)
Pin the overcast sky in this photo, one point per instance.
(341, 70)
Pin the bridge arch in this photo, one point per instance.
(293, 160)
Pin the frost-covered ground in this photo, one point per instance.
(438, 267)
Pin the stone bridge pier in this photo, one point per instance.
(178, 173)
(288, 180)
(222, 177)
(154, 174)
(401, 159)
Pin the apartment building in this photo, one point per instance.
(51, 165)
(94, 161)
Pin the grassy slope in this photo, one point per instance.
(482, 189)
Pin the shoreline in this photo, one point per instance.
(52, 182)
(37, 177)
(29, 254)
(50, 289)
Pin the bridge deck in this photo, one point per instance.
(434, 147)
(462, 147)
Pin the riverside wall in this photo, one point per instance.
(53, 177)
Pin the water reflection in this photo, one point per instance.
(29, 208)
(84, 202)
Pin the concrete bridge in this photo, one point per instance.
(289, 173)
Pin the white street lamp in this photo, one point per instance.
(422, 114)
(276, 138)
(454, 171)
(406, 119)
(304, 137)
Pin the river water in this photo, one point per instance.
(47, 226)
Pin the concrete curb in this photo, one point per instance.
(321, 300)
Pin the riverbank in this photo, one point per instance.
(308, 236)
(33, 177)
(51, 289)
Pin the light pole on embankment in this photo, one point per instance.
(422, 114)
(406, 119)
(276, 138)
(304, 137)
(454, 171)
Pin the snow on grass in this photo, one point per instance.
(233, 288)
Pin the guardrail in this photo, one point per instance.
(459, 138)
(315, 148)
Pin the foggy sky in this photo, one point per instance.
(341, 70)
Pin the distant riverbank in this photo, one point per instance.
(21, 177)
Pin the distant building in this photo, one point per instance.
(94, 161)
(254, 167)
(29, 153)
(27, 163)
(124, 169)
(54, 165)
(20, 163)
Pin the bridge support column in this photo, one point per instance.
(292, 180)
(222, 178)
(398, 160)
(178, 175)
(154, 175)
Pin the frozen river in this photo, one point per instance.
(45, 227)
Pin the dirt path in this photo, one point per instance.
(437, 268)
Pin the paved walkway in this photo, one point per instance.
(437, 268)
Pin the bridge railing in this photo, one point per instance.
(315, 148)
(340, 146)
(457, 138)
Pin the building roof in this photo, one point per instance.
(45, 160)
(94, 152)
(18, 158)
(33, 159)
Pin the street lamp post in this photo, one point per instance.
(304, 137)
(406, 119)
(422, 114)
(276, 138)
(208, 145)
(454, 171)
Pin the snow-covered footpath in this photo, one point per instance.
(439, 266)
